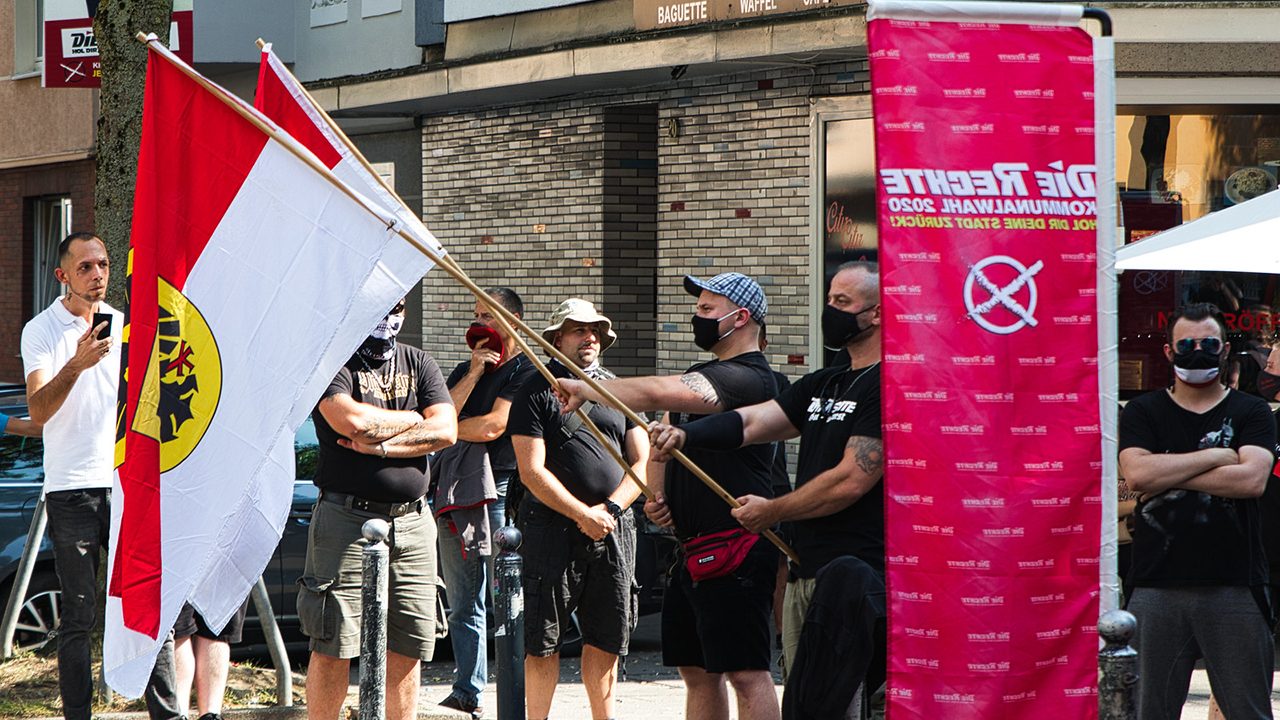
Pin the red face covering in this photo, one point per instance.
(477, 333)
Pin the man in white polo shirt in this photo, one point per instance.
(72, 378)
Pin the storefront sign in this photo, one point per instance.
(658, 14)
(988, 252)
(71, 50)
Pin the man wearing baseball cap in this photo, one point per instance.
(716, 629)
(579, 530)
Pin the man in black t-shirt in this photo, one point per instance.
(482, 389)
(384, 411)
(1199, 455)
(837, 507)
(716, 629)
(579, 531)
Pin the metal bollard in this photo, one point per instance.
(373, 622)
(1117, 667)
(508, 613)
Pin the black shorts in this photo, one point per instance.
(722, 625)
(190, 623)
(567, 572)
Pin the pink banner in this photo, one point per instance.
(987, 217)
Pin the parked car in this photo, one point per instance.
(21, 477)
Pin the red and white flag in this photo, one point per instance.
(253, 276)
(283, 99)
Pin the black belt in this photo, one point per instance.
(391, 510)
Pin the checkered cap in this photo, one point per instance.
(740, 289)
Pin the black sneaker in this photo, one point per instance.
(455, 703)
(210, 716)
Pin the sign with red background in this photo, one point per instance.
(987, 220)
(71, 50)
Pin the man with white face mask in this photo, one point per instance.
(384, 411)
(1199, 455)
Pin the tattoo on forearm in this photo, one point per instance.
(378, 430)
(420, 437)
(698, 383)
(869, 454)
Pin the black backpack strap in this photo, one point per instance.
(570, 426)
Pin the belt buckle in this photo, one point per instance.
(396, 510)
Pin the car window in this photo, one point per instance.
(306, 451)
(21, 459)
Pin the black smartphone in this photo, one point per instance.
(98, 319)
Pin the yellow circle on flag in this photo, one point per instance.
(183, 381)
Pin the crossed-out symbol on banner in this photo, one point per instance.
(73, 72)
(1002, 296)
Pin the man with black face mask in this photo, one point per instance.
(716, 630)
(1199, 455)
(384, 411)
(837, 507)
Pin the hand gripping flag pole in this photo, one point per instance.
(511, 319)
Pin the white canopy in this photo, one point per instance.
(1241, 238)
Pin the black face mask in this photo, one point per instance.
(839, 327)
(1197, 368)
(1268, 385)
(706, 331)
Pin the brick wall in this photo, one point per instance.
(19, 188)
(732, 193)
(630, 254)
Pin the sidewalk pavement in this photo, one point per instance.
(637, 700)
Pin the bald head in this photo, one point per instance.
(859, 280)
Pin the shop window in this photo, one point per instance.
(51, 222)
(845, 197)
(1175, 168)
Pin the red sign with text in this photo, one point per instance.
(987, 218)
(71, 50)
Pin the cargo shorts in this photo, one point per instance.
(329, 589)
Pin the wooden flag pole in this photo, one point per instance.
(483, 297)
(450, 268)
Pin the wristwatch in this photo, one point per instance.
(613, 508)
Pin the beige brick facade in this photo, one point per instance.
(561, 198)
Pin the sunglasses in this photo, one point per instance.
(1211, 345)
(397, 309)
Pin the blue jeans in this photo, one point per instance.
(79, 523)
(469, 582)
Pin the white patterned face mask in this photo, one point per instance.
(381, 343)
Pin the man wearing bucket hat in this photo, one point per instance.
(579, 531)
(715, 628)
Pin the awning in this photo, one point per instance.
(1241, 238)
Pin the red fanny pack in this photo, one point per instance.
(717, 554)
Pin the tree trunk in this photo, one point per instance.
(124, 67)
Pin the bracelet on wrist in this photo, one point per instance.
(4, 422)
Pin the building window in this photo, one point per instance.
(28, 36)
(51, 223)
(1174, 168)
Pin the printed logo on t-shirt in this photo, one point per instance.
(372, 386)
(833, 410)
